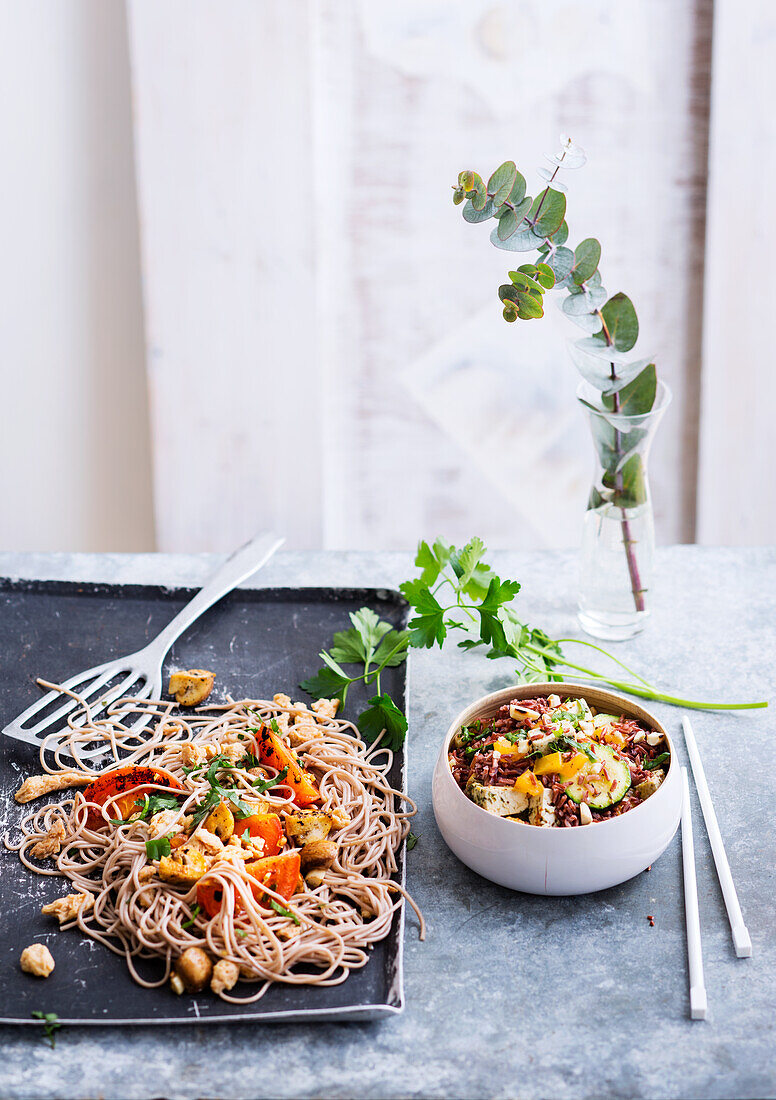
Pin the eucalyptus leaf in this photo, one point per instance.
(474, 216)
(577, 304)
(587, 256)
(629, 483)
(561, 262)
(589, 322)
(637, 397)
(524, 240)
(599, 349)
(458, 196)
(547, 212)
(561, 235)
(545, 275)
(501, 182)
(621, 321)
(552, 179)
(597, 371)
(517, 193)
(507, 224)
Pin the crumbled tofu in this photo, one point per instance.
(308, 825)
(651, 783)
(68, 907)
(585, 817)
(654, 739)
(281, 700)
(205, 841)
(37, 959)
(537, 744)
(303, 729)
(192, 755)
(234, 751)
(145, 874)
(38, 785)
(325, 708)
(501, 801)
(161, 823)
(236, 853)
(51, 844)
(191, 687)
(225, 976)
(184, 866)
(339, 817)
(541, 810)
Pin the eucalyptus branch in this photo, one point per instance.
(626, 387)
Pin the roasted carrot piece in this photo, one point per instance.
(276, 754)
(279, 873)
(112, 783)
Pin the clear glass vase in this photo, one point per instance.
(618, 543)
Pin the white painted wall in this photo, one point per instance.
(73, 428)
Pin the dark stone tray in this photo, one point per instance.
(258, 641)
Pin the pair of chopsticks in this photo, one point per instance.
(741, 940)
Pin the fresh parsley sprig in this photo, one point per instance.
(51, 1025)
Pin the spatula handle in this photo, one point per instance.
(240, 565)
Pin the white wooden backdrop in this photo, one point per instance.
(325, 348)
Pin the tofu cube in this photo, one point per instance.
(501, 801)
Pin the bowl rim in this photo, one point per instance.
(550, 688)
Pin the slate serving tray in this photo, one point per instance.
(258, 642)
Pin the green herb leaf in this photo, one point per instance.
(262, 785)
(383, 714)
(51, 1025)
(283, 911)
(650, 765)
(620, 318)
(412, 840)
(427, 628)
(156, 849)
(194, 914)
(326, 684)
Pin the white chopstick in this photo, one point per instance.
(741, 938)
(698, 1004)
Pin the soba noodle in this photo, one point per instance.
(141, 917)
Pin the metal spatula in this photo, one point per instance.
(139, 675)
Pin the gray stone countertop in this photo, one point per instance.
(510, 995)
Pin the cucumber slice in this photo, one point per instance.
(598, 792)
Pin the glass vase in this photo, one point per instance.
(618, 542)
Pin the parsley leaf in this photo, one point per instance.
(432, 560)
(283, 911)
(157, 848)
(326, 684)
(383, 714)
(262, 785)
(428, 627)
(564, 743)
(51, 1025)
(194, 914)
(412, 840)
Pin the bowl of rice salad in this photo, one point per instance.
(557, 788)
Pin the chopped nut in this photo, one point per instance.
(176, 983)
(194, 968)
(225, 976)
(38, 785)
(192, 687)
(51, 844)
(68, 907)
(37, 959)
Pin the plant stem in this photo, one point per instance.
(627, 538)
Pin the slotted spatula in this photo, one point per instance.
(141, 671)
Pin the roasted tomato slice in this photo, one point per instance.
(267, 827)
(279, 873)
(111, 784)
(276, 754)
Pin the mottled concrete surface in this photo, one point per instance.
(511, 995)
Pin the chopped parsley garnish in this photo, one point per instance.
(156, 849)
(650, 765)
(412, 840)
(262, 785)
(194, 914)
(219, 793)
(564, 743)
(241, 933)
(51, 1025)
(283, 911)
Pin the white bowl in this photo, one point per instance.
(556, 861)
